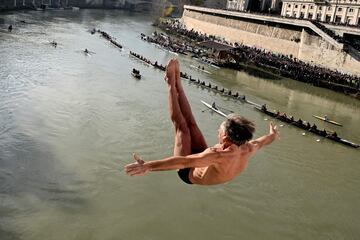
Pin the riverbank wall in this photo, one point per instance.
(289, 37)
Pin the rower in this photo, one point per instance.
(323, 133)
(213, 105)
(86, 51)
(334, 135)
(263, 107)
(326, 118)
(10, 28)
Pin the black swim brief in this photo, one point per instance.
(184, 175)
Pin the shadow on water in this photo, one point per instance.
(8, 235)
(257, 72)
(29, 168)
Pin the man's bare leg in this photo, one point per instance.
(198, 143)
(182, 133)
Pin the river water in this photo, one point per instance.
(70, 122)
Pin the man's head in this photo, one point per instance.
(236, 129)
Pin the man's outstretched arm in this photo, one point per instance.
(176, 162)
(266, 139)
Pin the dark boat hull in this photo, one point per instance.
(138, 76)
(304, 127)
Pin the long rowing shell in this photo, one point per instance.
(214, 109)
(199, 69)
(329, 121)
(339, 140)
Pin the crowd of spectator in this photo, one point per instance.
(286, 66)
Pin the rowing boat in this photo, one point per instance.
(327, 120)
(214, 109)
(200, 69)
(208, 62)
(305, 127)
(136, 75)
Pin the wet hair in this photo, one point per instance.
(238, 129)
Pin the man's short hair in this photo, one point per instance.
(238, 129)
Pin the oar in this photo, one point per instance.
(207, 109)
(225, 109)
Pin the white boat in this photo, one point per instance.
(200, 69)
(215, 109)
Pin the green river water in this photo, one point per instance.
(70, 122)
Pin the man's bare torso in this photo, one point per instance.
(229, 167)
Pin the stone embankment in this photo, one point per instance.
(290, 37)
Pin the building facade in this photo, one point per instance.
(330, 11)
(237, 5)
(218, 4)
(264, 6)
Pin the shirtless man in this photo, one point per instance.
(195, 162)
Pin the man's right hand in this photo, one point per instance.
(138, 168)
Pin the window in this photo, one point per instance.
(311, 7)
(303, 6)
(289, 5)
(327, 18)
(337, 19)
(302, 15)
(348, 20)
(310, 16)
(339, 9)
(351, 10)
(296, 6)
(329, 8)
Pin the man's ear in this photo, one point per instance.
(224, 138)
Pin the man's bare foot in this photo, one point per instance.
(170, 77)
